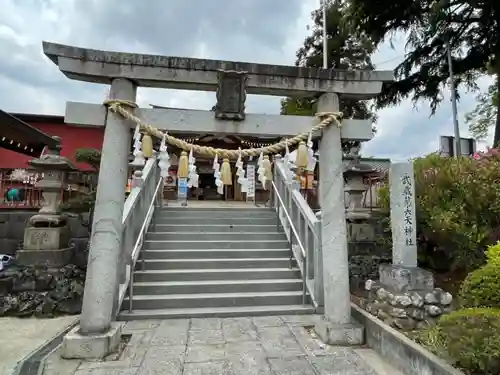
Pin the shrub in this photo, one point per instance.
(457, 207)
(468, 338)
(493, 254)
(481, 288)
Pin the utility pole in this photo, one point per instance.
(458, 151)
(325, 41)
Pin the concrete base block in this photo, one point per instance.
(400, 279)
(77, 346)
(340, 334)
(51, 258)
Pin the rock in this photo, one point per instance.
(6, 284)
(379, 306)
(446, 299)
(27, 291)
(46, 308)
(70, 306)
(433, 310)
(43, 282)
(367, 307)
(382, 294)
(430, 298)
(403, 300)
(417, 314)
(369, 284)
(9, 304)
(381, 314)
(397, 312)
(416, 299)
(404, 324)
(24, 285)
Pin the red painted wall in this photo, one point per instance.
(72, 138)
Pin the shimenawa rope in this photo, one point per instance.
(117, 106)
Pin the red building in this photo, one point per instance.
(72, 138)
(15, 172)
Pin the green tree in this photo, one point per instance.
(482, 118)
(345, 51)
(471, 28)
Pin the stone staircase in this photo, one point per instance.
(224, 262)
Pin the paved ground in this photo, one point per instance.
(231, 346)
(19, 337)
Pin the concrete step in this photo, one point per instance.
(221, 312)
(217, 286)
(179, 301)
(202, 236)
(210, 227)
(202, 264)
(215, 253)
(216, 274)
(213, 213)
(195, 244)
(240, 220)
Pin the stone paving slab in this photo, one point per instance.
(21, 336)
(229, 346)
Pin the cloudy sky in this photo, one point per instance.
(261, 31)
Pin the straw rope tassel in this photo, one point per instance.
(225, 172)
(183, 167)
(147, 146)
(302, 158)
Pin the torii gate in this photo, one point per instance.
(232, 81)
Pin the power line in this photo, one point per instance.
(387, 61)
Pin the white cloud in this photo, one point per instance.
(259, 31)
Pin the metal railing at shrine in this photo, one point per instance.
(303, 230)
(138, 213)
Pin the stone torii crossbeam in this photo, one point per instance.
(97, 334)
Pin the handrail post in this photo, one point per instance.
(278, 217)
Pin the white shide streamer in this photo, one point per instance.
(218, 181)
(138, 155)
(164, 157)
(193, 176)
(240, 172)
(261, 171)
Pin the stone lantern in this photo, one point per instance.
(355, 186)
(47, 234)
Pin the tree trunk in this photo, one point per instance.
(496, 139)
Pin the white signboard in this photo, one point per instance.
(251, 181)
(182, 188)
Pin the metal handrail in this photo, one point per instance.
(134, 255)
(299, 243)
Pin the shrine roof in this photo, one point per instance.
(18, 136)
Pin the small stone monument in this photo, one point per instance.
(405, 296)
(47, 234)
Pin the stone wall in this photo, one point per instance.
(406, 310)
(39, 291)
(13, 222)
(365, 250)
